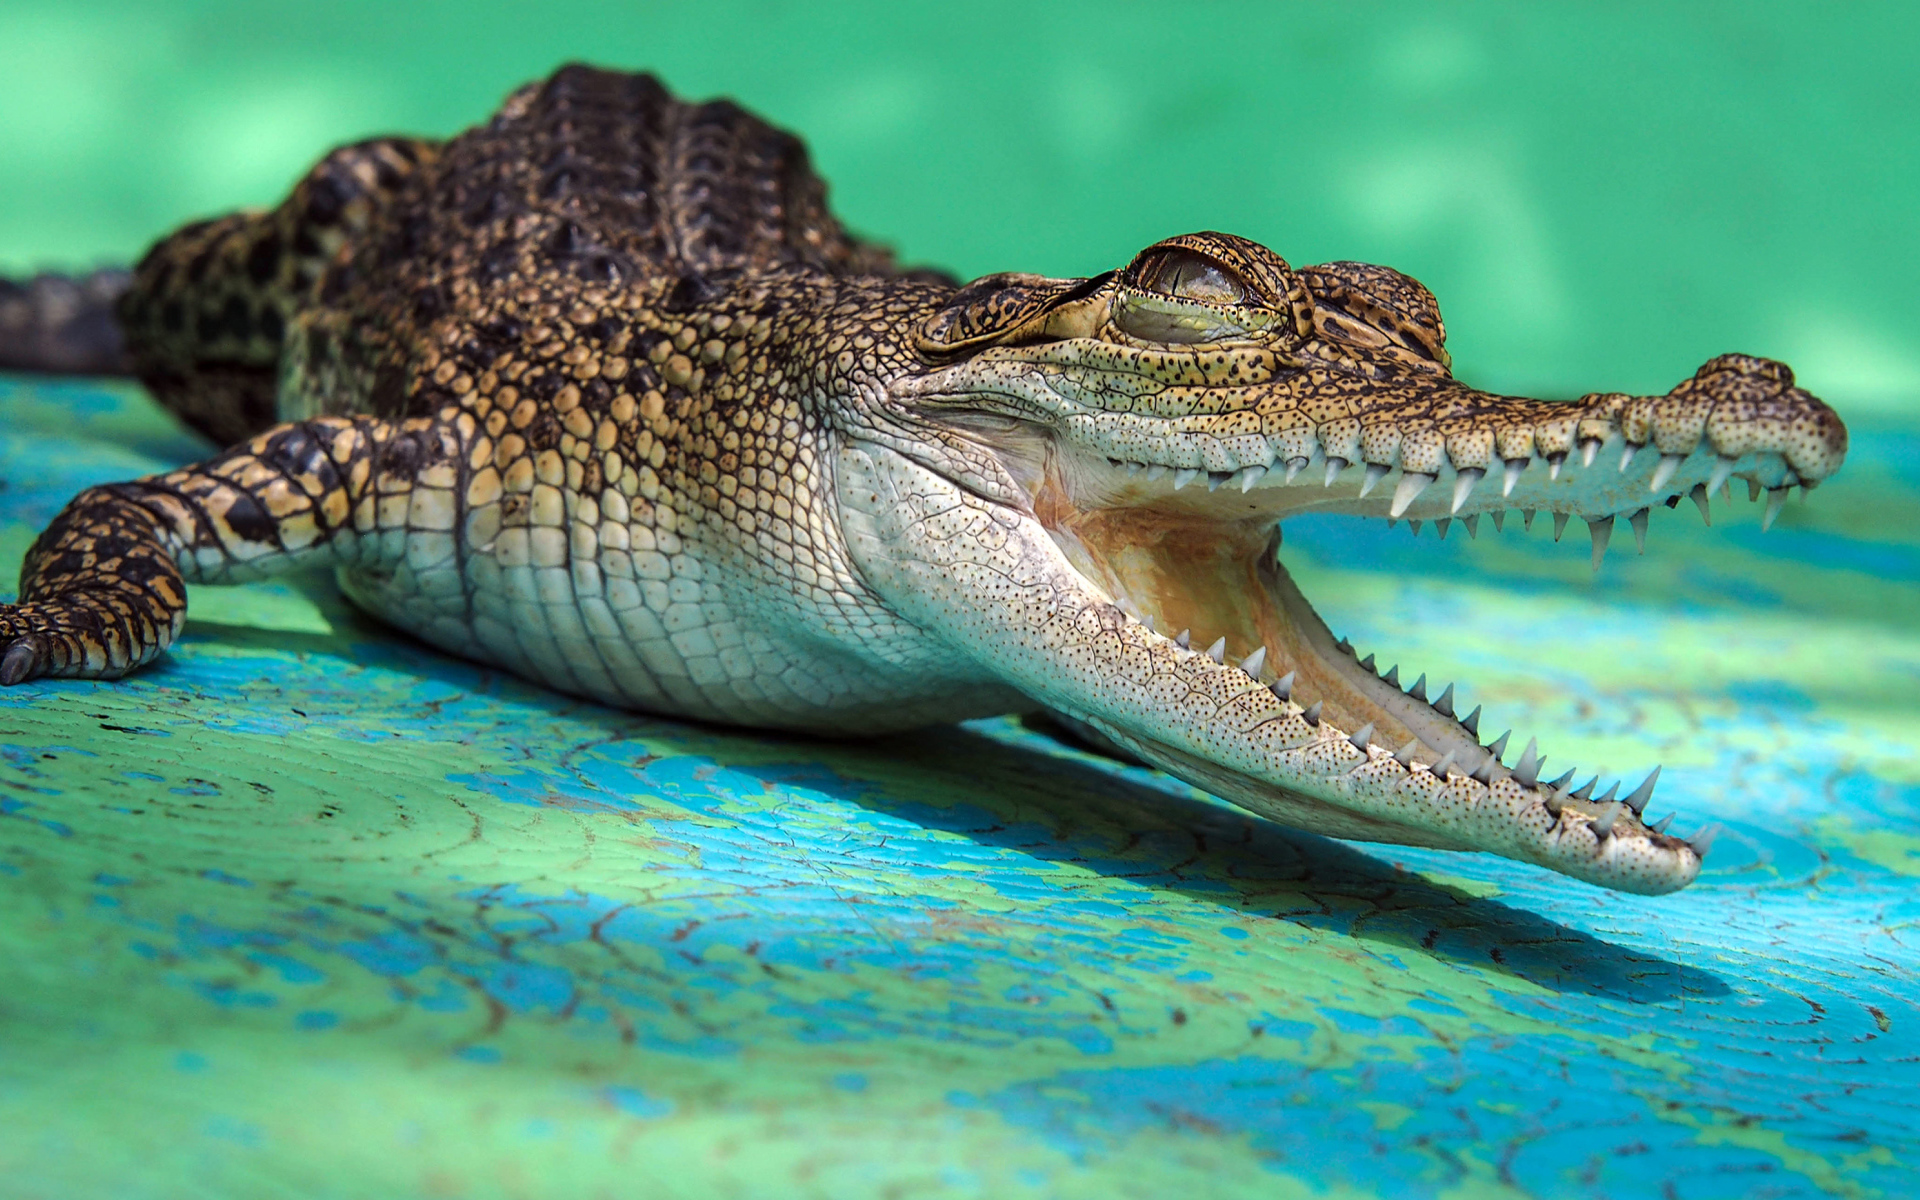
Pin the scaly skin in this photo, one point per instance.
(600, 392)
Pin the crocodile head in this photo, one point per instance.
(1100, 468)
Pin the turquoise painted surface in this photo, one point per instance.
(309, 910)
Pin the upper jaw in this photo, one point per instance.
(1424, 448)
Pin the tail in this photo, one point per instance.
(64, 326)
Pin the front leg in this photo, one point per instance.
(102, 591)
(990, 581)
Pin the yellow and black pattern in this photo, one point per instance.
(102, 590)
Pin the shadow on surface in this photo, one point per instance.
(1030, 795)
(1118, 823)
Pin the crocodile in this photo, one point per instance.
(601, 393)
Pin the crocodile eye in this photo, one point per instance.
(1186, 275)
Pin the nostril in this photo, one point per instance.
(1748, 364)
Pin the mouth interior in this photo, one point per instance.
(1223, 579)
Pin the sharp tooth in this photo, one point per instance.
(1484, 772)
(1660, 826)
(1588, 449)
(1147, 620)
(1415, 526)
(1626, 456)
(1215, 479)
(1419, 689)
(1499, 745)
(1559, 525)
(1776, 498)
(1253, 475)
(1361, 737)
(1560, 784)
(1183, 477)
(1639, 522)
(1283, 686)
(1669, 463)
(1528, 770)
(1440, 768)
(1601, 530)
(1608, 797)
(1334, 467)
(1552, 804)
(1134, 468)
(1295, 465)
(1585, 790)
(1375, 473)
(1753, 490)
(1511, 475)
(1472, 722)
(1499, 520)
(1637, 799)
(1344, 644)
(1253, 663)
(1218, 651)
(1444, 705)
(1404, 755)
(1367, 662)
(1184, 639)
(1463, 486)
(1442, 525)
(1393, 675)
(1699, 494)
(1313, 714)
(1602, 825)
(1722, 469)
(1155, 471)
(1554, 463)
(1473, 524)
(1412, 483)
(1526, 518)
(1703, 841)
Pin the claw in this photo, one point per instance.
(18, 662)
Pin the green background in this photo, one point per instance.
(1602, 195)
(308, 910)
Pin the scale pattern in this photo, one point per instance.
(601, 393)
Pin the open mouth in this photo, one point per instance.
(1188, 550)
